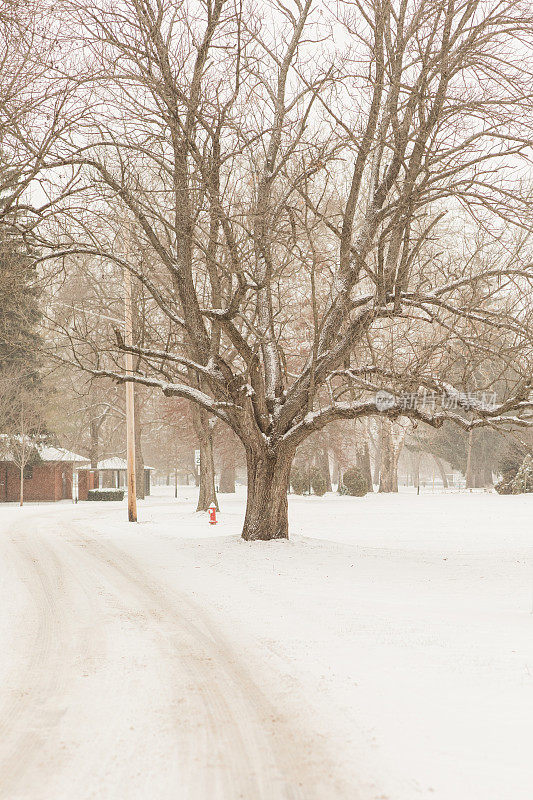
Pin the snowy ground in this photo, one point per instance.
(386, 651)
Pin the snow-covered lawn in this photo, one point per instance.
(385, 651)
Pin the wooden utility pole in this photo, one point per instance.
(130, 404)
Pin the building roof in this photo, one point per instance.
(46, 452)
(116, 463)
(112, 463)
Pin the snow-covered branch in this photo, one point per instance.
(172, 390)
(394, 408)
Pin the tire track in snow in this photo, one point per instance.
(55, 643)
(240, 747)
(227, 740)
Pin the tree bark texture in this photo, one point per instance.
(227, 473)
(207, 493)
(266, 508)
(391, 444)
(363, 464)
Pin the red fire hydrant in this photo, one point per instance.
(212, 514)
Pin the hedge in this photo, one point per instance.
(105, 494)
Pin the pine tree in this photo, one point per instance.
(20, 342)
(523, 481)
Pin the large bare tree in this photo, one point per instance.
(288, 181)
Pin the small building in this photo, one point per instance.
(112, 474)
(47, 480)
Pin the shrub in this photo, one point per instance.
(353, 483)
(318, 482)
(508, 465)
(504, 487)
(105, 494)
(523, 480)
(299, 480)
(511, 460)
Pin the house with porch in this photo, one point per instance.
(110, 473)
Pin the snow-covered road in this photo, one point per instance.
(121, 687)
(387, 655)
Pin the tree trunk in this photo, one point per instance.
(94, 447)
(227, 473)
(395, 458)
(469, 462)
(387, 481)
(207, 495)
(391, 444)
(363, 464)
(22, 486)
(206, 479)
(442, 471)
(266, 507)
(377, 462)
(323, 465)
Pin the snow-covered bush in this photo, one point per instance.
(105, 494)
(523, 481)
(353, 483)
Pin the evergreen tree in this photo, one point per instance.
(523, 481)
(20, 341)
